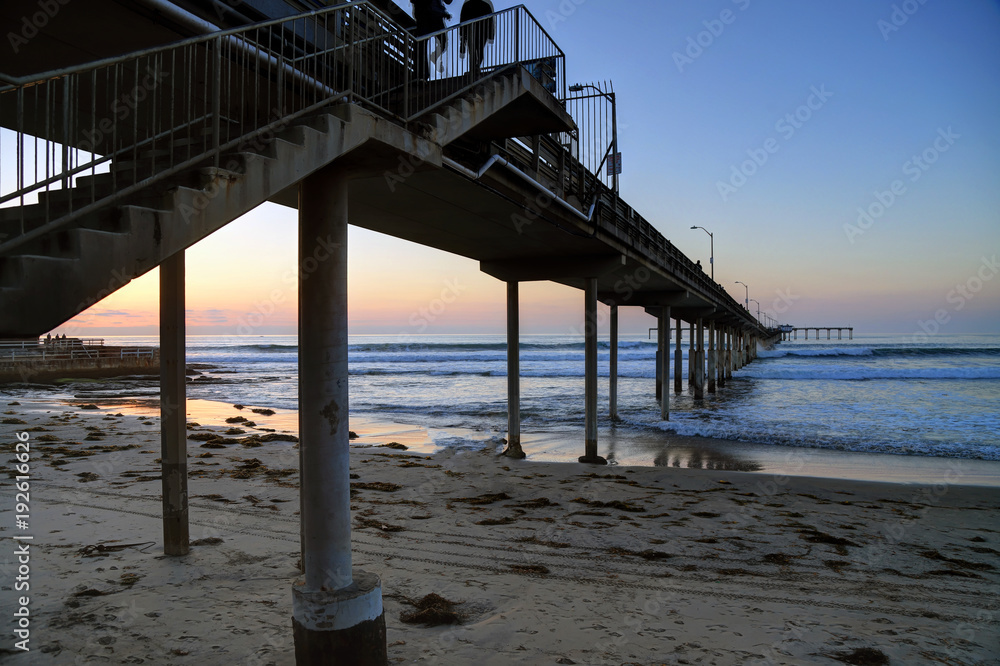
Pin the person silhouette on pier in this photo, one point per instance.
(430, 16)
(474, 38)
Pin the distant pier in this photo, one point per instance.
(792, 332)
(45, 360)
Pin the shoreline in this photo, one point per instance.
(624, 447)
(547, 562)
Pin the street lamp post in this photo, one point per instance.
(711, 258)
(758, 307)
(747, 301)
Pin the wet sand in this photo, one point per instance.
(548, 562)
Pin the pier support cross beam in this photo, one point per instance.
(513, 449)
(665, 362)
(173, 407)
(337, 613)
(590, 373)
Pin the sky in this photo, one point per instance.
(845, 155)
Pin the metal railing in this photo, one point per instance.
(450, 61)
(89, 136)
(71, 350)
(595, 142)
(549, 161)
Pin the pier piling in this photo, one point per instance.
(678, 361)
(513, 449)
(613, 366)
(337, 610)
(665, 362)
(590, 373)
(173, 407)
(711, 357)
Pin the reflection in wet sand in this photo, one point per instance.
(703, 458)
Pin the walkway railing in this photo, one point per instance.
(108, 129)
(512, 37)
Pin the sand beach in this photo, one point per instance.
(543, 563)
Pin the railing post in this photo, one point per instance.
(517, 35)
(217, 99)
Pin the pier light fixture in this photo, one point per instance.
(711, 257)
(747, 301)
(752, 300)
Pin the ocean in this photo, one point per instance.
(886, 395)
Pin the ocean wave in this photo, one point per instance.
(836, 351)
(847, 373)
(956, 449)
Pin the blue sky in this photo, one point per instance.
(839, 97)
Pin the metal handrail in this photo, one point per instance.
(516, 38)
(142, 118)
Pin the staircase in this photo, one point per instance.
(123, 216)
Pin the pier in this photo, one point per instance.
(792, 332)
(326, 113)
(48, 360)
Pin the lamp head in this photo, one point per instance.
(576, 87)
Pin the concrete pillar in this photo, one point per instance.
(590, 373)
(827, 334)
(730, 356)
(711, 357)
(850, 334)
(691, 354)
(613, 366)
(699, 363)
(720, 361)
(840, 334)
(678, 361)
(665, 362)
(660, 350)
(173, 407)
(337, 614)
(513, 449)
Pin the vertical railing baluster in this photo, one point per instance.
(216, 97)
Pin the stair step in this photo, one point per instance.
(19, 270)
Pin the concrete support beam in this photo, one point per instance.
(513, 449)
(337, 613)
(173, 407)
(613, 366)
(590, 373)
(699, 363)
(678, 361)
(665, 362)
(711, 357)
(552, 268)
